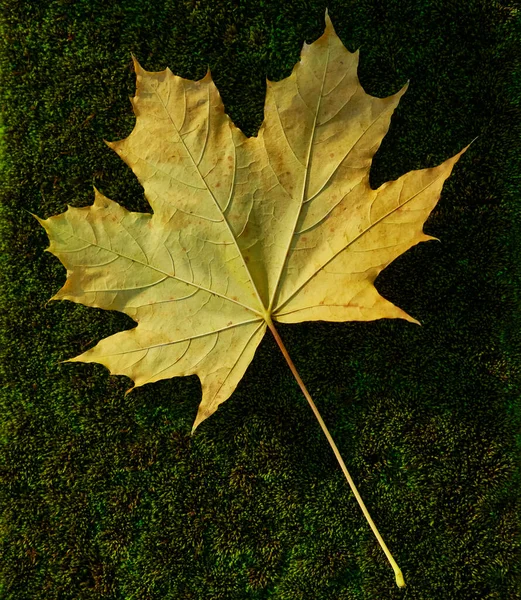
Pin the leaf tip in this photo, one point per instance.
(408, 317)
(40, 220)
(329, 24)
(137, 67)
(428, 238)
(467, 146)
(450, 162)
(98, 196)
(67, 360)
(207, 75)
(402, 90)
(196, 424)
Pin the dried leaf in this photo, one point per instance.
(283, 227)
(245, 232)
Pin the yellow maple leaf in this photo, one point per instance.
(245, 232)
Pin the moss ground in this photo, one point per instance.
(108, 496)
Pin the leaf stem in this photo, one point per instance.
(397, 571)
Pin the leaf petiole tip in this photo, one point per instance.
(400, 582)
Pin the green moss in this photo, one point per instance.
(107, 495)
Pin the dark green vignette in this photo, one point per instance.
(105, 495)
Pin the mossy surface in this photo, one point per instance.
(108, 496)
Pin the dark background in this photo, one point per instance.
(106, 495)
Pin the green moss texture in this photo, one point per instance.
(108, 496)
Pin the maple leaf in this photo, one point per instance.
(245, 232)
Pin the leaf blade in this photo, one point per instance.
(245, 231)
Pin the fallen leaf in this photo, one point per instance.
(245, 232)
